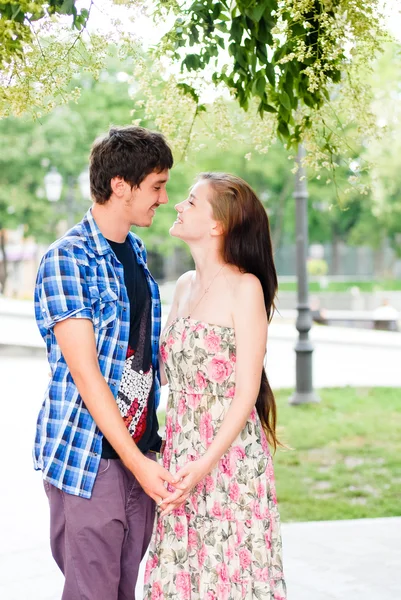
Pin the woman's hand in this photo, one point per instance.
(185, 481)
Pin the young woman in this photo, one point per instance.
(217, 536)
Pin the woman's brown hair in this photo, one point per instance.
(247, 245)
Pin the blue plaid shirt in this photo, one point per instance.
(80, 277)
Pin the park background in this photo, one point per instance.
(339, 480)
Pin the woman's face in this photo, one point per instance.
(195, 220)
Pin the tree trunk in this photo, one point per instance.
(3, 263)
(379, 259)
(335, 264)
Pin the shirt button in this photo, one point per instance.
(121, 346)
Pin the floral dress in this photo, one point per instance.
(225, 542)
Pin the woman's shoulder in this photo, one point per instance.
(245, 283)
(183, 282)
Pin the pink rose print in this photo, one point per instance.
(163, 353)
(160, 529)
(212, 342)
(229, 514)
(194, 502)
(260, 490)
(264, 443)
(252, 416)
(222, 572)
(256, 510)
(262, 574)
(210, 596)
(226, 465)
(193, 400)
(206, 428)
(268, 540)
(209, 484)
(240, 532)
(157, 592)
(238, 452)
(180, 511)
(183, 585)
(169, 430)
(230, 393)
(202, 554)
(223, 591)
(245, 558)
(181, 406)
(237, 576)
(229, 553)
(184, 335)
(219, 369)
(216, 510)
(234, 491)
(150, 565)
(233, 358)
(179, 529)
(170, 341)
(192, 538)
(200, 380)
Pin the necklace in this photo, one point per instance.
(207, 288)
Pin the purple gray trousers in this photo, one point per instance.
(99, 543)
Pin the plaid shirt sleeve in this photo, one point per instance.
(63, 292)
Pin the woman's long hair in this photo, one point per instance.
(247, 245)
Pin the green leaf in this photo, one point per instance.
(259, 86)
(271, 76)
(257, 11)
(283, 130)
(285, 100)
(264, 33)
(237, 29)
(187, 89)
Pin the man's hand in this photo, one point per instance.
(185, 481)
(152, 478)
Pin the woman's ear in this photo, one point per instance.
(217, 228)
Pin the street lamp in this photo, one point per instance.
(53, 185)
(304, 392)
(84, 185)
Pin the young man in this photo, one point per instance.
(98, 310)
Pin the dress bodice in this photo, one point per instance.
(199, 357)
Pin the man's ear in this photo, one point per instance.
(118, 186)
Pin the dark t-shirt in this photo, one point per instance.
(135, 398)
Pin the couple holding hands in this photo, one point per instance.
(204, 499)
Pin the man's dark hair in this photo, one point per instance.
(127, 152)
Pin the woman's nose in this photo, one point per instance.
(178, 207)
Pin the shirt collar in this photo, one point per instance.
(95, 238)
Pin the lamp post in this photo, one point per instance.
(304, 392)
(53, 182)
(53, 185)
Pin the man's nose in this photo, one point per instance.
(163, 199)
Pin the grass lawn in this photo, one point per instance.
(345, 461)
(345, 456)
(345, 286)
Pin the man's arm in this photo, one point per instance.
(76, 340)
